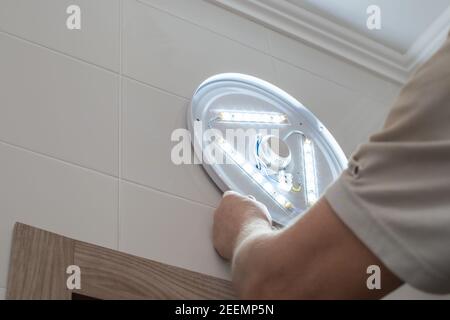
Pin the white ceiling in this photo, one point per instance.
(403, 21)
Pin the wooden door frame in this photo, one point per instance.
(39, 260)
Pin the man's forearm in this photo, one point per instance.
(262, 268)
(247, 264)
(315, 258)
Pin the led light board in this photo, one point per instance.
(256, 139)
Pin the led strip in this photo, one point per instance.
(273, 118)
(310, 172)
(255, 175)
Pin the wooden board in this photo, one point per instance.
(39, 260)
(137, 278)
(38, 264)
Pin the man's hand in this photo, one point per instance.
(236, 218)
(316, 257)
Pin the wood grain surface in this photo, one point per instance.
(110, 274)
(38, 264)
(39, 260)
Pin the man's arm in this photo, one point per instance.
(317, 257)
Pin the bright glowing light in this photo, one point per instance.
(226, 147)
(239, 159)
(251, 171)
(285, 181)
(276, 118)
(258, 177)
(283, 201)
(274, 152)
(248, 168)
(310, 172)
(268, 187)
(280, 199)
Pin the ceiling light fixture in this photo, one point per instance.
(287, 171)
(258, 117)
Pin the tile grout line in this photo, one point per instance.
(120, 121)
(179, 17)
(272, 59)
(176, 196)
(269, 49)
(120, 95)
(268, 54)
(340, 85)
(94, 171)
(56, 159)
(153, 87)
(88, 63)
(58, 52)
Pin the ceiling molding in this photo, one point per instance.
(301, 24)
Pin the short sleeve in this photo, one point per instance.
(395, 194)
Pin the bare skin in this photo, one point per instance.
(318, 257)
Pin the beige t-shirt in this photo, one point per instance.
(395, 195)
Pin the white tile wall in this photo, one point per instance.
(335, 106)
(168, 229)
(339, 108)
(44, 22)
(332, 68)
(58, 106)
(86, 117)
(217, 20)
(190, 53)
(149, 117)
(56, 196)
(2, 293)
(349, 128)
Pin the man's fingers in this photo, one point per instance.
(229, 193)
(239, 198)
(234, 193)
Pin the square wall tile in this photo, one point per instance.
(149, 118)
(334, 105)
(333, 68)
(170, 230)
(44, 22)
(58, 106)
(175, 55)
(54, 196)
(357, 126)
(217, 19)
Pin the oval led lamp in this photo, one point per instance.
(256, 139)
